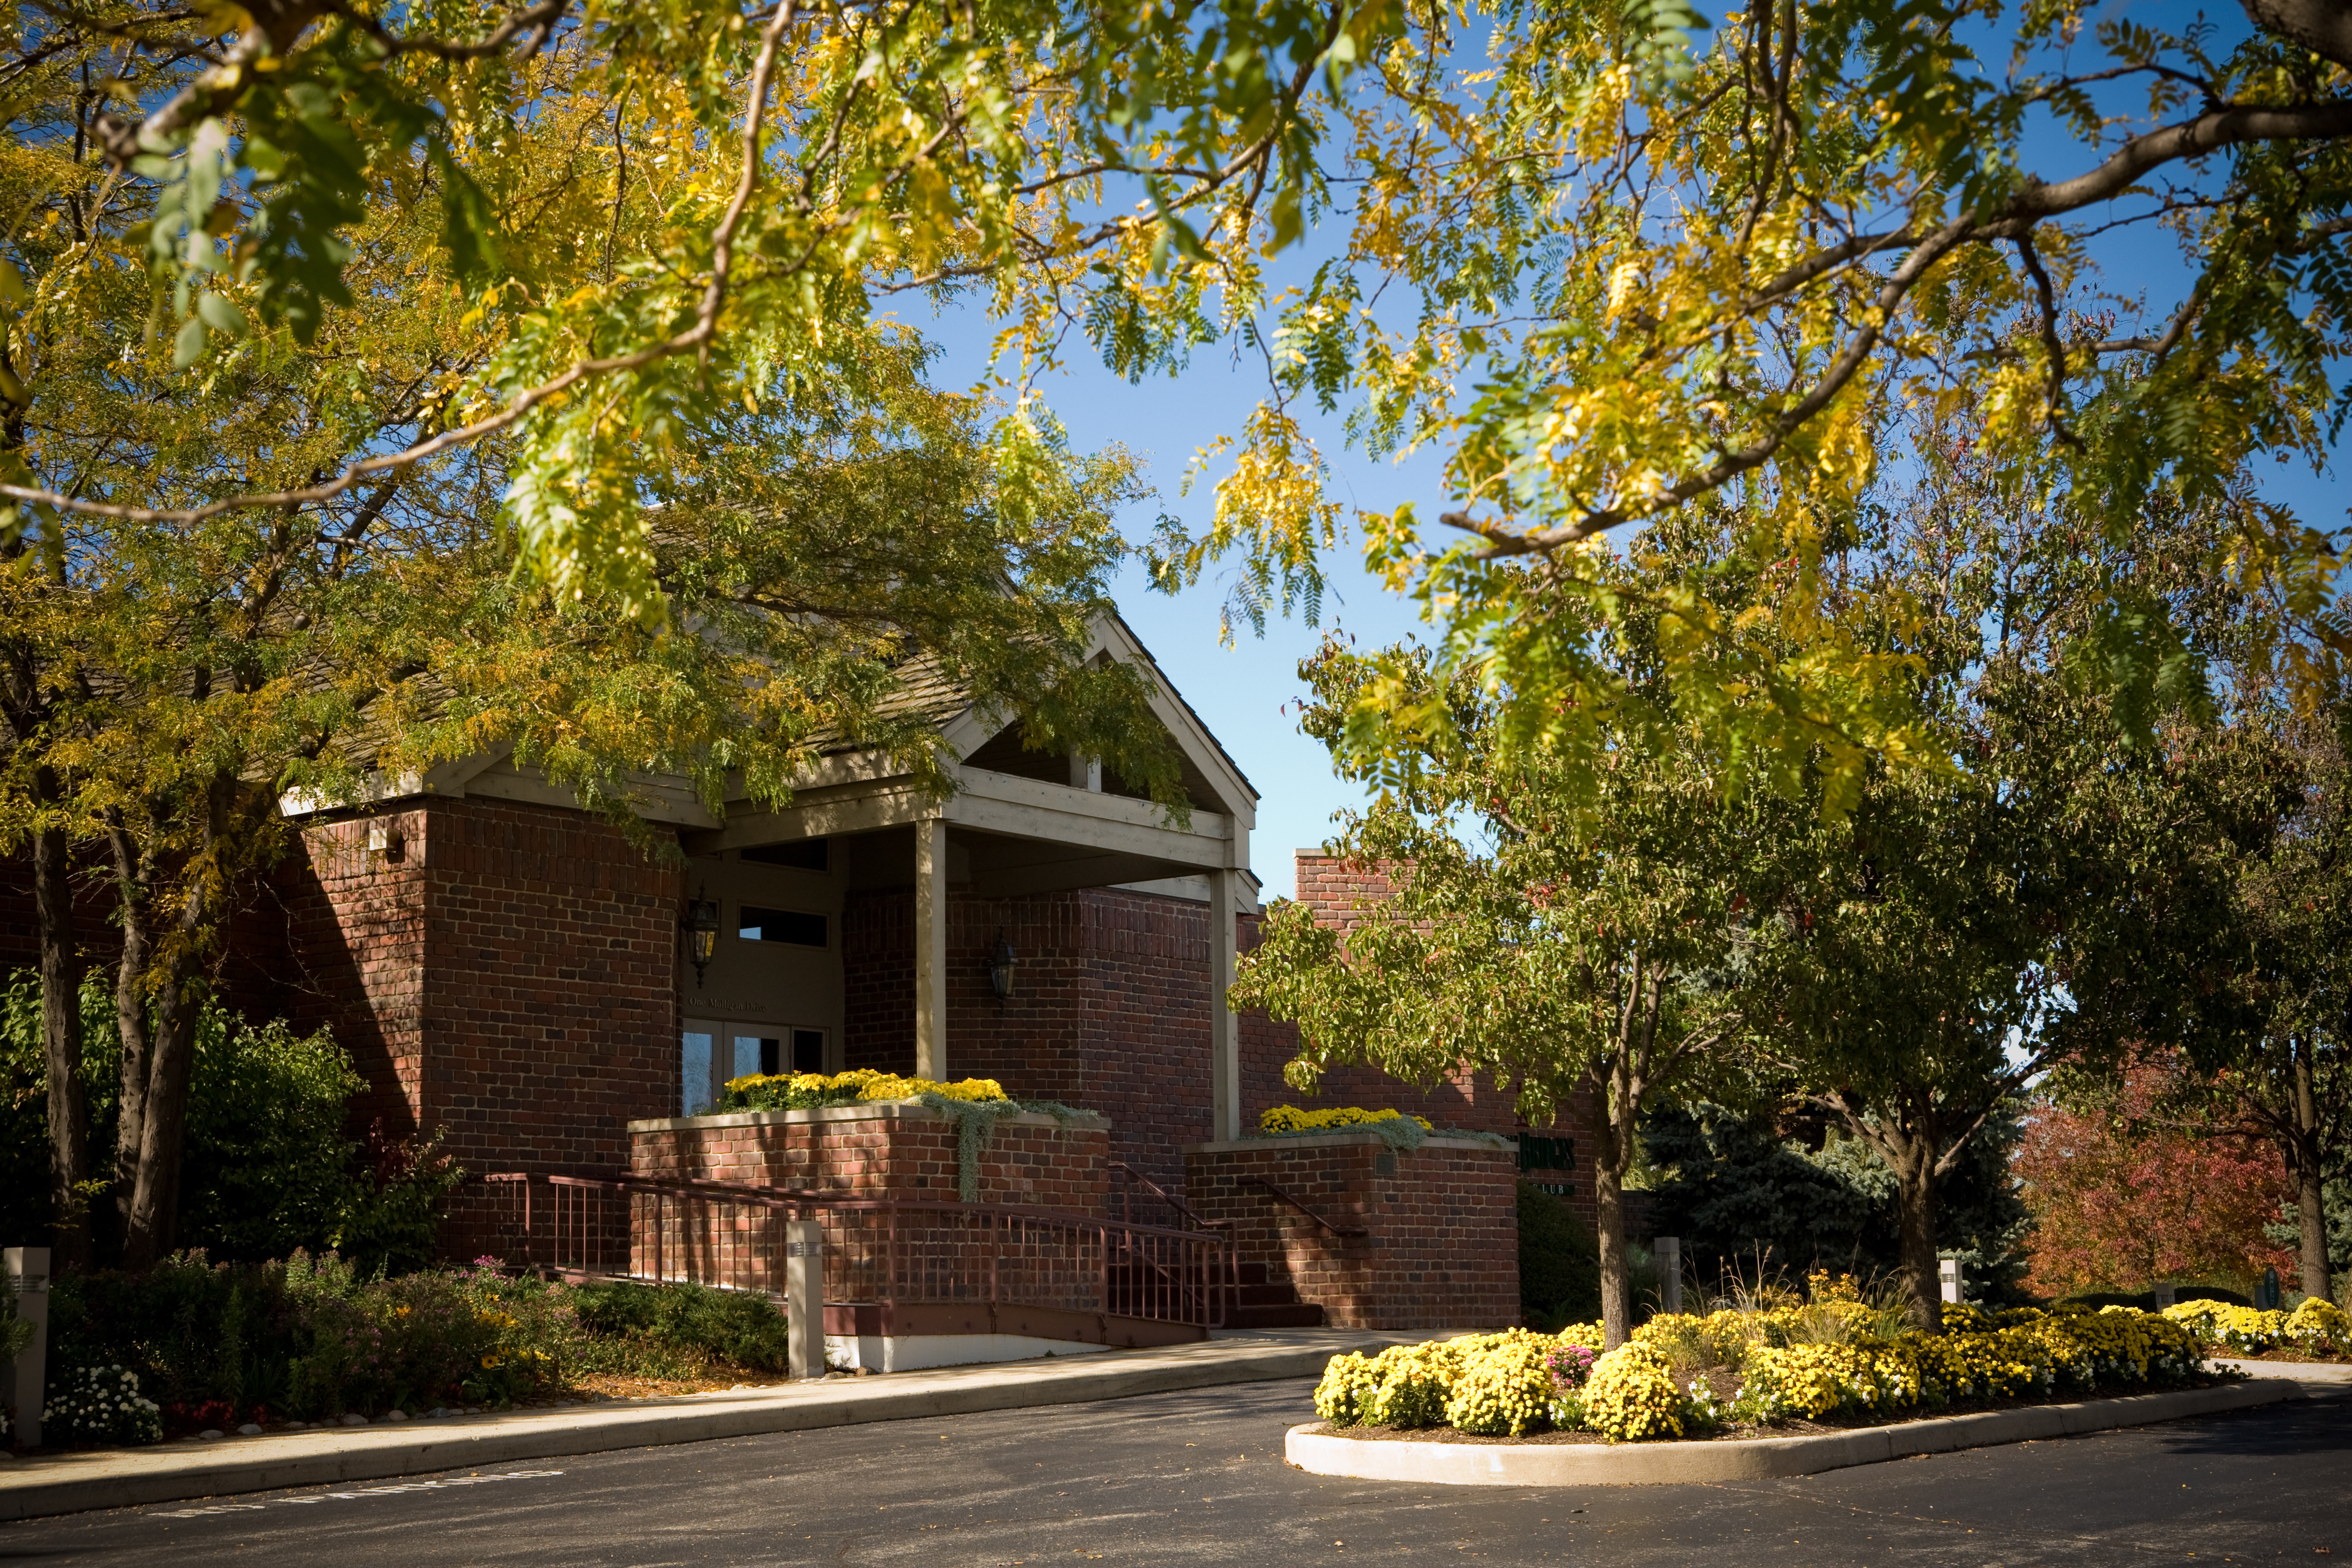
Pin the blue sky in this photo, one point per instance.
(1244, 693)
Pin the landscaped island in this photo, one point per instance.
(1781, 1361)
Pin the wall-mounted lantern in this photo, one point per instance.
(1001, 962)
(701, 924)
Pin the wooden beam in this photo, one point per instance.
(931, 948)
(1106, 833)
(1224, 1029)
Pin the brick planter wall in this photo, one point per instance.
(880, 1150)
(1442, 1248)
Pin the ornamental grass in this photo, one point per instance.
(1827, 1357)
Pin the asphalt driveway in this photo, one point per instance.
(1197, 1478)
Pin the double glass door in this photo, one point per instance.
(714, 1052)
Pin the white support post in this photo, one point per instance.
(804, 1296)
(931, 948)
(1948, 1272)
(1668, 1251)
(29, 1272)
(1085, 772)
(1224, 1029)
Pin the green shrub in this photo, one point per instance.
(746, 1330)
(390, 1222)
(269, 1167)
(266, 1139)
(1560, 1262)
(316, 1336)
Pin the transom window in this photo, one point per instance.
(797, 927)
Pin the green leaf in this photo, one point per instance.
(221, 316)
(189, 346)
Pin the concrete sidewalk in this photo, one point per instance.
(76, 1482)
(2319, 1376)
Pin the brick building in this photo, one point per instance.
(516, 974)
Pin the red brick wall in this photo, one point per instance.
(1110, 1010)
(511, 980)
(355, 952)
(895, 1153)
(1442, 1248)
(1337, 891)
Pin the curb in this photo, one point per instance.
(1759, 1459)
(76, 1483)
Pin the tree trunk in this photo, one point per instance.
(152, 1218)
(1609, 1206)
(2304, 1163)
(131, 1018)
(1621, 1109)
(1915, 1173)
(154, 1214)
(62, 1042)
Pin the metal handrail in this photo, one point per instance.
(895, 1251)
(1354, 1233)
(1165, 1196)
(813, 1198)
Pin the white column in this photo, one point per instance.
(29, 1269)
(804, 1297)
(931, 948)
(1085, 772)
(1224, 1029)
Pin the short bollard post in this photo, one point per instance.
(805, 1295)
(1668, 1251)
(29, 1272)
(1949, 1271)
(2268, 1295)
(2168, 1294)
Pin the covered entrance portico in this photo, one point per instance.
(1041, 926)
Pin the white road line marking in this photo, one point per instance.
(348, 1496)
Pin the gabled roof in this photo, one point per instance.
(924, 691)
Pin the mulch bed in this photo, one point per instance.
(1737, 1432)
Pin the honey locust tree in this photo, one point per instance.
(789, 161)
(1626, 262)
(2056, 894)
(1609, 263)
(1571, 936)
(831, 531)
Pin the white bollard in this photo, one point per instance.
(29, 1272)
(1948, 1272)
(805, 1295)
(1668, 1252)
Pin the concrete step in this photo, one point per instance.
(1267, 1295)
(1290, 1315)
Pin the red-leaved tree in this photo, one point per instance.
(2127, 1194)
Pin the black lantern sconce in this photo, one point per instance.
(1000, 963)
(701, 924)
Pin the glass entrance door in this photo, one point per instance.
(698, 1080)
(712, 1052)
